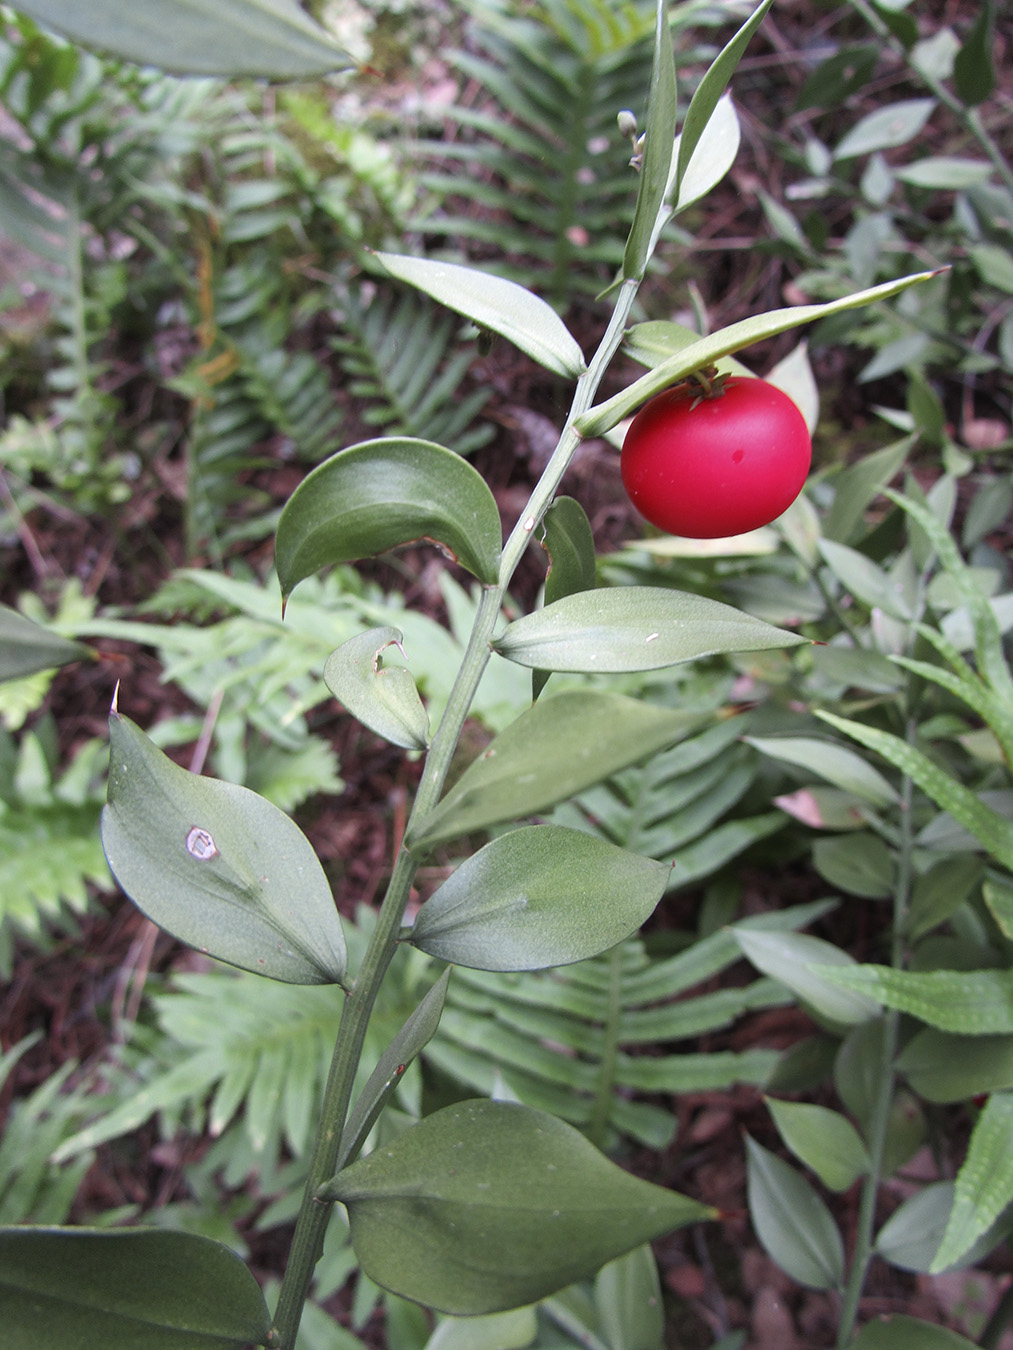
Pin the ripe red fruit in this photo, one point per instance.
(710, 467)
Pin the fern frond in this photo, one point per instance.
(396, 352)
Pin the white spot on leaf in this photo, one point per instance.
(200, 845)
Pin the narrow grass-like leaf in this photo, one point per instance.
(496, 304)
(992, 830)
(659, 141)
(604, 416)
(708, 93)
(968, 1002)
(984, 1184)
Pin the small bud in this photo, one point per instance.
(627, 124)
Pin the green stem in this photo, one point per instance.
(880, 1116)
(313, 1215)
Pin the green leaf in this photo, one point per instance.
(379, 494)
(707, 350)
(911, 1236)
(894, 125)
(569, 542)
(128, 1289)
(858, 864)
(825, 1141)
(489, 1205)
(968, 1002)
(706, 98)
(628, 1299)
(939, 892)
(994, 831)
(383, 698)
(512, 1330)
(864, 579)
(984, 1184)
(496, 304)
(800, 963)
(908, 1333)
(836, 763)
(27, 647)
(793, 1224)
(658, 149)
(944, 173)
(973, 66)
(629, 628)
(944, 1067)
(200, 37)
(414, 1036)
(540, 896)
(856, 486)
(714, 155)
(217, 866)
(546, 756)
(656, 340)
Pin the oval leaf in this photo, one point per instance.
(714, 155)
(27, 647)
(128, 1289)
(792, 958)
(825, 1141)
(383, 698)
(943, 1067)
(494, 303)
(489, 1205)
(633, 628)
(378, 494)
(887, 127)
(546, 755)
(202, 37)
(836, 763)
(537, 897)
(217, 866)
(793, 1224)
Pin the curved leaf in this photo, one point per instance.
(825, 1141)
(217, 866)
(383, 698)
(490, 1205)
(378, 494)
(537, 897)
(633, 628)
(494, 303)
(126, 1289)
(200, 37)
(803, 965)
(707, 350)
(569, 542)
(546, 755)
(984, 1186)
(944, 1067)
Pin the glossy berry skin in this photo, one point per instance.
(731, 463)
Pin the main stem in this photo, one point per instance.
(880, 1117)
(314, 1213)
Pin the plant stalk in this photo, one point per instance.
(313, 1215)
(880, 1118)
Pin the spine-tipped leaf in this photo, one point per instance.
(217, 866)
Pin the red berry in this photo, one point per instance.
(710, 467)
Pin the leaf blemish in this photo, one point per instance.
(200, 845)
